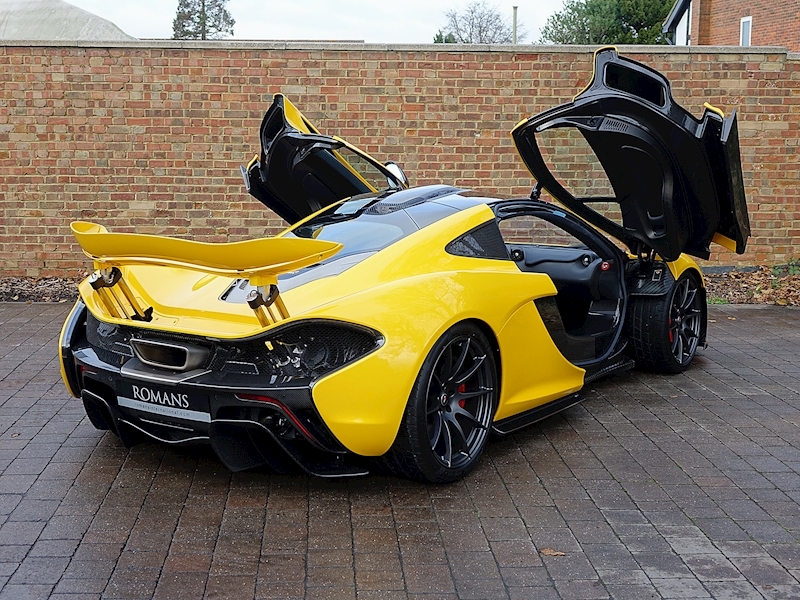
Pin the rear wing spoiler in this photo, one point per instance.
(260, 261)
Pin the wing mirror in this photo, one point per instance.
(400, 181)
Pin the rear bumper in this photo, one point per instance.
(246, 427)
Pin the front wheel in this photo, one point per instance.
(665, 331)
(446, 423)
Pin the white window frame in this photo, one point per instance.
(683, 30)
(742, 40)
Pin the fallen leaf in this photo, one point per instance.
(781, 302)
(712, 320)
(14, 435)
(731, 318)
(551, 552)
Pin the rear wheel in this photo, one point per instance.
(665, 330)
(446, 423)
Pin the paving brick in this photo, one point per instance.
(37, 570)
(166, 523)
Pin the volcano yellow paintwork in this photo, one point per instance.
(258, 259)
(411, 292)
(296, 379)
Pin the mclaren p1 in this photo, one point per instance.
(399, 327)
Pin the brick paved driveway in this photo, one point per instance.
(655, 487)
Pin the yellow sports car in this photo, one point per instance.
(398, 327)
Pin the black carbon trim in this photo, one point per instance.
(575, 349)
(246, 444)
(648, 278)
(244, 433)
(270, 359)
(536, 414)
(74, 332)
(704, 319)
(408, 198)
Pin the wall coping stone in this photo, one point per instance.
(451, 48)
(54, 172)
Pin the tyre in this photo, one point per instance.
(665, 331)
(450, 410)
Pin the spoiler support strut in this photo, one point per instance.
(263, 306)
(259, 260)
(106, 282)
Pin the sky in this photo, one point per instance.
(409, 21)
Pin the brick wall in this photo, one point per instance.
(717, 22)
(149, 136)
(701, 22)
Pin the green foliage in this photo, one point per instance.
(607, 22)
(792, 267)
(202, 20)
(717, 300)
(444, 38)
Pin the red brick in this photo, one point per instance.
(152, 138)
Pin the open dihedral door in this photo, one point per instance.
(300, 171)
(260, 261)
(677, 180)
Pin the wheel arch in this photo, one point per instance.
(486, 330)
(650, 324)
(417, 455)
(685, 264)
(695, 271)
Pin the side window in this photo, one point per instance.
(373, 176)
(485, 241)
(527, 229)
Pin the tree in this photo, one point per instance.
(202, 20)
(444, 38)
(607, 22)
(478, 23)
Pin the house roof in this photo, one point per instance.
(54, 20)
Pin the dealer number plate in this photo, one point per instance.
(173, 403)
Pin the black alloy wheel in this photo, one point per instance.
(450, 411)
(685, 321)
(664, 331)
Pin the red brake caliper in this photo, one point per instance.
(461, 389)
(670, 330)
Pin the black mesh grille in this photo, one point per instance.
(110, 342)
(305, 351)
(112, 345)
(485, 241)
